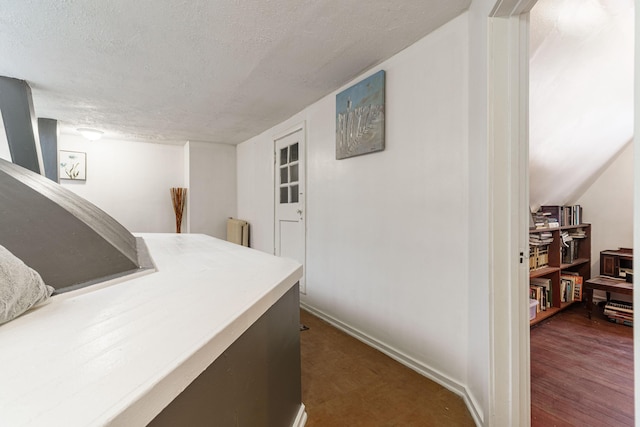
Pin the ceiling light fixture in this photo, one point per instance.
(90, 134)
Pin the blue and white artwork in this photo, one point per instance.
(73, 165)
(360, 118)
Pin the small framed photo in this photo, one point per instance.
(73, 165)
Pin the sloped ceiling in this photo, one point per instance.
(218, 71)
(581, 93)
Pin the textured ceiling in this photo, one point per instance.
(581, 93)
(218, 71)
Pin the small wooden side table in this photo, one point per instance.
(607, 284)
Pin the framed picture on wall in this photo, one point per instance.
(360, 117)
(73, 165)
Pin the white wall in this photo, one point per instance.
(211, 197)
(256, 189)
(129, 180)
(608, 206)
(478, 309)
(388, 232)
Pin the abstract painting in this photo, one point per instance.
(73, 165)
(360, 118)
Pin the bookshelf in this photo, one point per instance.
(548, 263)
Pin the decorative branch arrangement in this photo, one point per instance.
(178, 197)
(73, 171)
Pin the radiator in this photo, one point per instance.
(238, 231)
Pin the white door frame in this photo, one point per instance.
(508, 87)
(303, 129)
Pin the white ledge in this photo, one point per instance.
(118, 355)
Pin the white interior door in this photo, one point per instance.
(290, 240)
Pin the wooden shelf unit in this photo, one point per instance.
(581, 265)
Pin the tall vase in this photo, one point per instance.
(178, 197)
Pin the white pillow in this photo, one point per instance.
(21, 287)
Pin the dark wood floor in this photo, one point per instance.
(581, 371)
(347, 383)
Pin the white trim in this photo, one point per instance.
(509, 370)
(293, 129)
(408, 361)
(508, 8)
(301, 418)
(521, 222)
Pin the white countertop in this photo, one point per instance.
(118, 355)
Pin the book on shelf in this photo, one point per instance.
(545, 288)
(540, 220)
(534, 293)
(542, 238)
(570, 252)
(571, 244)
(577, 289)
(533, 258)
(576, 214)
(553, 213)
(565, 290)
(538, 293)
(539, 249)
(575, 283)
(563, 215)
(578, 233)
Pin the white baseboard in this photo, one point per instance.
(419, 367)
(301, 418)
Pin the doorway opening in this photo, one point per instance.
(581, 163)
(509, 199)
